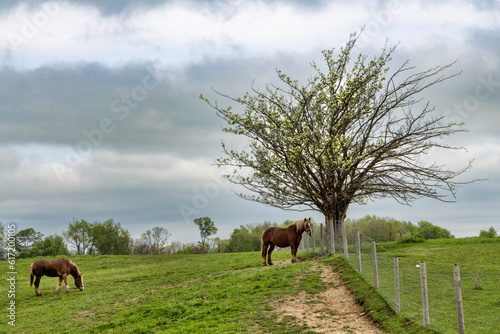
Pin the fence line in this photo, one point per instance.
(448, 298)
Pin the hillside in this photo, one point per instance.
(214, 293)
(223, 293)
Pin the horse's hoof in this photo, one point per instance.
(38, 294)
(67, 291)
(270, 263)
(58, 292)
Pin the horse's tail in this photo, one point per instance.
(31, 275)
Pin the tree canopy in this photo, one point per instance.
(52, 245)
(356, 131)
(156, 239)
(25, 239)
(79, 235)
(103, 238)
(491, 233)
(207, 228)
(109, 238)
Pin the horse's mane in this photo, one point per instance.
(72, 264)
(300, 224)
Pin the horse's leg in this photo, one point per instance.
(263, 249)
(58, 290)
(37, 286)
(271, 248)
(65, 278)
(293, 247)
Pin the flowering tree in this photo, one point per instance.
(353, 133)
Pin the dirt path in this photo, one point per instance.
(332, 311)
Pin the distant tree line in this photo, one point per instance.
(383, 229)
(109, 237)
(246, 238)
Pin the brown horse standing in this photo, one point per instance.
(55, 268)
(284, 237)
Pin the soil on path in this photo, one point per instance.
(331, 311)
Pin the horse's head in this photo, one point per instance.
(79, 282)
(308, 226)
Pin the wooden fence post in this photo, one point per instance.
(375, 266)
(396, 285)
(322, 242)
(313, 237)
(425, 297)
(458, 298)
(344, 239)
(358, 251)
(332, 236)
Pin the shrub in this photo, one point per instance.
(411, 240)
(491, 233)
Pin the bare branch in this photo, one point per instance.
(354, 133)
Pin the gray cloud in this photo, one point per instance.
(111, 7)
(123, 7)
(107, 123)
(63, 105)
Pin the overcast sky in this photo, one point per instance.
(100, 115)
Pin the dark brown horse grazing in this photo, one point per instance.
(284, 237)
(55, 268)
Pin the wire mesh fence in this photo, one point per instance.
(449, 298)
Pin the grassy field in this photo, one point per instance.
(214, 293)
(466, 251)
(479, 263)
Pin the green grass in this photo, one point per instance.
(468, 251)
(214, 293)
(479, 261)
(375, 306)
(232, 293)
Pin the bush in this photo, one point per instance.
(427, 230)
(491, 233)
(192, 248)
(390, 229)
(411, 240)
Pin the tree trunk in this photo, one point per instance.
(330, 246)
(336, 217)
